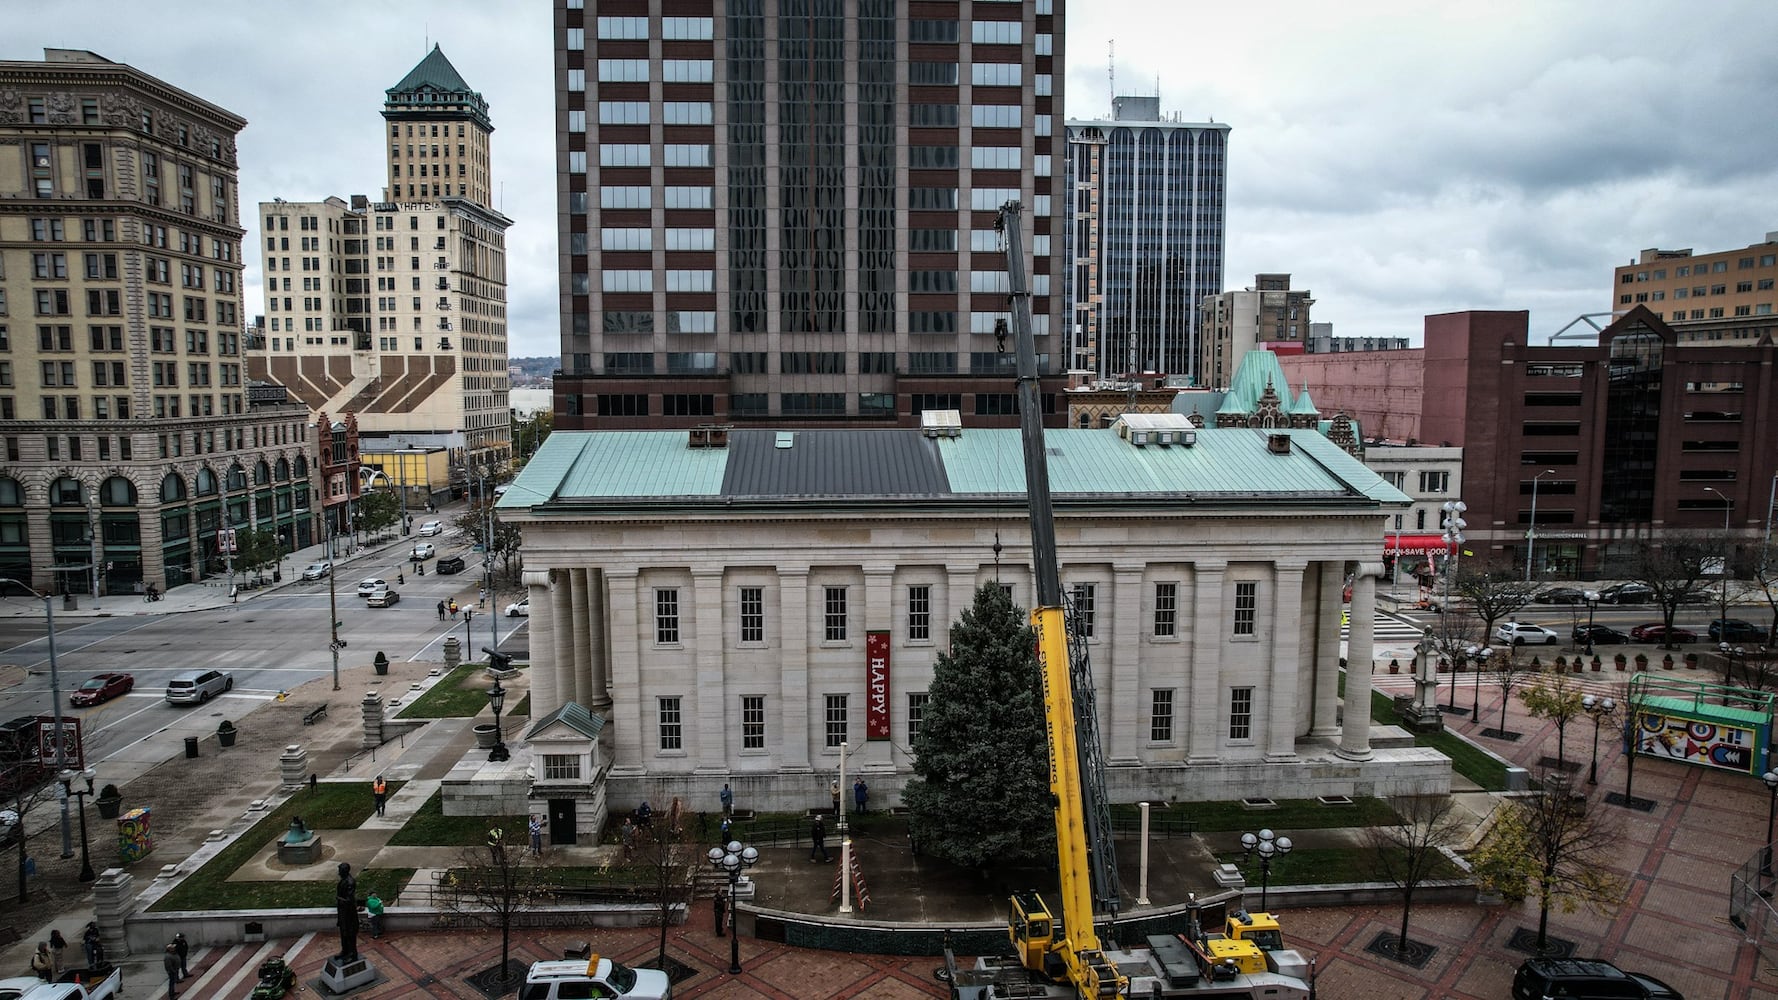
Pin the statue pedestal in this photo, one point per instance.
(339, 976)
(300, 852)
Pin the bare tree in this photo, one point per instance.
(1407, 852)
(668, 855)
(1510, 671)
(30, 786)
(1765, 582)
(1494, 589)
(1676, 568)
(1546, 845)
(1556, 696)
(495, 884)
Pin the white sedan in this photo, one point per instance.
(1521, 633)
(371, 586)
(315, 571)
(519, 609)
(431, 528)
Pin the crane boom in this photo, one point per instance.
(1076, 778)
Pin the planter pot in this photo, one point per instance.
(485, 733)
(1596, 664)
(1666, 663)
(226, 737)
(109, 808)
(1395, 668)
(381, 663)
(1641, 662)
(1578, 665)
(1691, 661)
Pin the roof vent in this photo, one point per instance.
(1278, 444)
(1144, 429)
(785, 440)
(941, 423)
(710, 436)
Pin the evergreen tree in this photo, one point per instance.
(981, 793)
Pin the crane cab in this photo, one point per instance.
(1260, 928)
(1032, 930)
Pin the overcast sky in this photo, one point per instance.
(1397, 159)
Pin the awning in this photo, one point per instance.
(1413, 545)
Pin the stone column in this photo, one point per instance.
(1286, 641)
(1361, 646)
(544, 699)
(626, 665)
(1208, 630)
(371, 709)
(598, 640)
(1324, 707)
(793, 594)
(1125, 655)
(580, 634)
(293, 767)
(561, 637)
(709, 655)
(114, 899)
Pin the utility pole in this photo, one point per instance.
(333, 612)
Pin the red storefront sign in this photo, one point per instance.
(876, 686)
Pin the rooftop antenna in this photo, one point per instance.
(1111, 73)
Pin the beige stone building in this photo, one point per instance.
(1701, 295)
(1269, 314)
(131, 438)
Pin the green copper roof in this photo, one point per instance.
(435, 90)
(575, 717)
(1258, 369)
(434, 71)
(1303, 403)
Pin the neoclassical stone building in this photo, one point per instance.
(735, 605)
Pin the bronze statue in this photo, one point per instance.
(345, 904)
(298, 831)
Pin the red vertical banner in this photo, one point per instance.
(876, 685)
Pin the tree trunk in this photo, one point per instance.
(1561, 747)
(1543, 922)
(1407, 904)
(1505, 697)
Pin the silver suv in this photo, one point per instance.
(194, 687)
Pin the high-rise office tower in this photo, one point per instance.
(784, 209)
(395, 311)
(1144, 239)
(131, 441)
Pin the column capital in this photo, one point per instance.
(879, 569)
(802, 571)
(619, 572)
(538, 577)
(1368, 569)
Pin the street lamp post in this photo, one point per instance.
(734, 859)
(497, 701)
(55, 697)
(1600, 709)
(1592, 598)
(1531, 531)
(67, 780)
(1268, 847)
(1481, 663)
(1728, 504)
(1771, 780)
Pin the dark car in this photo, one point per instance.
(1560, 595)
(1599, 635)
(1658, 632)
(1736, 630)
(1582, 978)
(103, 687)
(1627, 593)
(449, 564)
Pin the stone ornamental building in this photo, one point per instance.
(131, 439)
(732, 606)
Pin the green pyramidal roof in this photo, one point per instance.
(434, 71)
(434, 90)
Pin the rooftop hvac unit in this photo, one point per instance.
(941, 423)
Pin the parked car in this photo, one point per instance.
(1659, 632)
(430, 528)
(370, 586)
(1736, 630)
(198, 686)
(423, 550)
(1560, 595)
(560, 980)
(384, 598)
(1627, 593)
(1599, 635)
(519, 609)
(449, 565)
(1521, 633)
(102, 687)
(1585, 977)
(315, 571)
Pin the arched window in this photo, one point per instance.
(11, 494)
(172, 488)
(262, 473)
(283, 470)
(237, 478)
(117, 492)
(66, 492)
(302, 467)
(206, 483)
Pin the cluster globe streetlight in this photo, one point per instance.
(70, 789)
(733, 859)
(1267, 846)
(1600, 709)
(1771, 780)
(1480, 656)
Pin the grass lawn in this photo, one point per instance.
(332, 806)
(430, 827)
(460, 694)
(1466, 759)
(1325, 866)
(1290, 814)
(522, 710)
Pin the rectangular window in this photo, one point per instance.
(1160, 716)
(1241, 713)
(1246, 607)
(753, 614)
(920, 612)
(835, 614)
(916, 713)
(666, 616)
(672, 724)
(561, 767)
(1166, 609)
(835, 719)
(1435, 482)
(1084, 595)
(753, 721)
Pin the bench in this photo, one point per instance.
(313, 714)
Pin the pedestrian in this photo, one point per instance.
(818, 840)
(833, 789)
(481, 597)
(861, 796)
(453, 608)
(380, 789)
(182, 948)
(373, 905)
(233, 594)
(170, 962)
(644, 815)
(42, 963)
(726, 823)
(718, 904)
(93, 945)
(727, 796)
(627, 836)
(536, 836)
(57, 945)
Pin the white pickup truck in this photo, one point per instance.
(75, 984)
